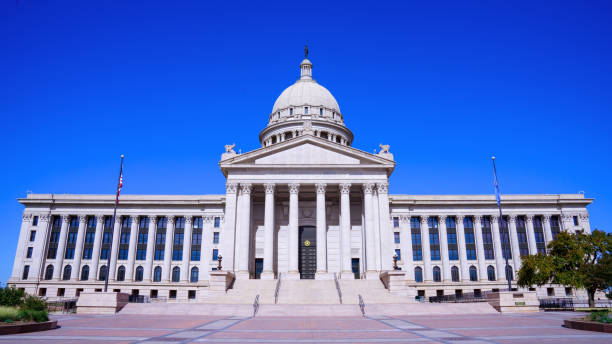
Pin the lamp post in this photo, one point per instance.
(219, 258)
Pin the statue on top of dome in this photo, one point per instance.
(306, 51)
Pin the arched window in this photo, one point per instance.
(491, 273)
(473, 274)
(121, 273)
(324, 135)
(67, 272)
(176, 274)
(103, 272)
(139, 274)
(436, 274)
(195, 275)
(49, 272)
(157, 274)
(455, 274)
(418, 274)
(509, 274)
(85, 273)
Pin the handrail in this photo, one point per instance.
(277, 289)
(338, 287)
(362, 305)
(256, 305)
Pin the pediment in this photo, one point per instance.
(307, 151)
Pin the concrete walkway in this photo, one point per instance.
(486, 328)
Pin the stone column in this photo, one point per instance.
(375, 218)
(584, 220)
(480, 255)
(369, 231)
(39, 246)
(547, 230)
(268, 262)
(345, 228)
(500, 268)
(227, 235)
(516, 250)
(245, 231)
(465, 271)
(444, 249)
(427, 273)
(386, 234)
(61, 245)
(293, 231)
(321, 232)
(22, 244)
(78, 249)
(406, 246)
(114, 248)
(187, 249)
(129, 271)
(168, 250)
(95, 255)
(207, 246)
(533, 248)
(150, 249)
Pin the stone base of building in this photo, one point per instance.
(514, 302)
(101, 303)
(324, 276)
(220, 281)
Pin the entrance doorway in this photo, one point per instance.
(355, 267)
(308, 252)
(258, 267)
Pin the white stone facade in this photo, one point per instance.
(308, 181)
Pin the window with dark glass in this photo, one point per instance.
(215, 238)
(491, 273)
(176, 274)
(123, 254)
(179, 232)
(121, 273)
(487, 238)
(32, 235)
(90, 234)
(538, 230)
(56, 227)
(103, 272)
(396, 237)
(84, 273)
(398, 253)
(49, 272)
(124, 237)
(521, 232)
(160, 238)
(215, 254)
(434, 238)
(574, 217)
(217, 222)
(26, 272)
(395, 222)
(143, 234)
(195, 275)
(104, 253)
(418, 274)
(29, 253)
(555, 226)
(73, 229)
(69, 253)
(67, 272)
(473, 274)
(107, 234)
(455, 274)
(35, 221)
(415, 233)
(157, 274)
(196, 238)
(139, 274)
(436, 274)
(509, 273)
(470, 243)
(451, 238)
(87, 252)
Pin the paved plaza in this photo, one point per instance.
(520, 328)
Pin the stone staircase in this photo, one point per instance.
(243, 292)
(373, 291)
(313, 292)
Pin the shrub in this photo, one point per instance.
(601, 316)
(11, 297)
(34, 303)
(29, 314)
(9, 314)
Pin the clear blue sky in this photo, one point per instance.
(168, 83)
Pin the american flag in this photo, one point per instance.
(120, 186)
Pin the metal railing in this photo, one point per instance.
(138, 299)
(570, 304)
(361, 305)
(256, 305)
(64, 306)
(277, 289)
(338, 287)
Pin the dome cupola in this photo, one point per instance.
(305, 105)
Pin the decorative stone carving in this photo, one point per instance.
(152, 220)
(246, 188)
(170, 219)
(404, 218)
(494, 218)
(546, 218)
(231, 187)
(207, 219)
(134, 218)
(294, 188)
(307, 128)
(229, 152)
(188, 219)
(269, 188)
(459, 218)
(478, 219)
(27, 217)
(345, 188)
(512, 218)
(584, 217)
(321, 187)
(384, 152)
(382, 187)
(82, 218)
(43, 218)
(424, 219)
(65, 218)
(442, 218)
(368, 188)
(529, 218)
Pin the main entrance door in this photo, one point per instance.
(308, 252)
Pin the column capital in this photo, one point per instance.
(43, 218)
(583, 216)
(494, 218)
(231, 187)
(208, 218)
(118, 220)
(82, 218)
(269, 187)
(100, 218)
(424, 219)
(345, 188)
(27, 217)
(246, 188)
(152, 219)
(546, 218)
(170, 219)
(134, 218)
(382, 187)
(321, 187)
(442, 219)
(512, 218)
(478, 219)
(294, 188)
(188, 219)
(529, 218)
(368, 188)
(404, 218)
(459, 219)
(65, 218)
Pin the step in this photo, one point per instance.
(243, 292)
(188, 308)
(300, 310)
(308, 292)
(372, 291)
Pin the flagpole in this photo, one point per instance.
(110, 251)
(500, 221)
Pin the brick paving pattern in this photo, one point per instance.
(538, 328)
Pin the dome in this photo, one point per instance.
(306, 91)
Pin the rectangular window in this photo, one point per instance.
(125, 238)
(160, 239)
(104, 253)
(396, 237)
(398, 253)
(35, 221)
(142, 238)
(215, 254)
(453, 255)
(32, 235)
(178, 238)
(215, 237)
(106, 238)
(177, 255)
(539, 234)
(123, 253)
(159, 254)
(141, 254)
(575, 220)
(69, 253)
(396, 222)
(415, 233)
(89, 237)
(196, 238)
(487, 238)
(87, 253)
(29, 254)
(195, 253)
(72, 237)
(471, 254)
(217, 222)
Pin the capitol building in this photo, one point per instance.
(307, 205)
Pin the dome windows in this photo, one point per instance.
(305, 110)
(291, 112)
(321, 112)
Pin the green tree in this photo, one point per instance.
(574, 260)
